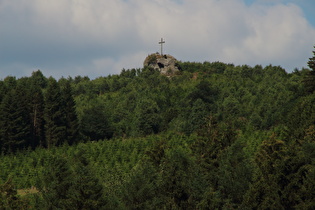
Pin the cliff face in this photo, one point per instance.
(167, 64)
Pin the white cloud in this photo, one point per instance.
(279, 35)
(66, 37)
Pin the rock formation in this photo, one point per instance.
(166, 64)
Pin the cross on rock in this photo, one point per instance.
(161, 43)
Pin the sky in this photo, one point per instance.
(99, 38)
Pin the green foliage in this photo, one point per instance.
(215, 136)
(14, 127)
(87, 191)
(37, 110)
(70, 115)
(309, 80)
(55, 187)
(95, 123)
(9, 198)
(147, 118)
(54, 119)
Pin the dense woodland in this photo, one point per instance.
(213, 136)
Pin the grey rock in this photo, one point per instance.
(166, 64)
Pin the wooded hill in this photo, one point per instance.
(214, 135)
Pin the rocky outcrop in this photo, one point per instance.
(166, 64)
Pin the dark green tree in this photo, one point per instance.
(70, 115)
(10, 82)
(141, 190)
(95, 123)
(311, 62)
(55, 128)
(56, 184)
(266, 189)
(39, 79)
(146, 117)
(87, 191)
(37, 114)
(234, 175)
(15, 129)
(197, 116)
(309, 80)
(299, 191)
(181, 186)
(2, 90)
(204, 91)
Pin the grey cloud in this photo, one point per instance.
(101, 37)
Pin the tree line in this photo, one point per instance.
(213, 136)
(36, 112)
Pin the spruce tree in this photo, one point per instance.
(56, 183)
(266, 189)
(39, 79)
(87, 191)
(94, 123)
(71, 119)
(2, 90)
(311, 62)
(147, 119)
(15, 127)
(54, 118)
(37, 115)
(309, 80)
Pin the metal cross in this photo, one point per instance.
(161, 43)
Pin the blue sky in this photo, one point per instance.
(98, 38)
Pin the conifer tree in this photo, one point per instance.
(86, 191)
(147, 119)
(15, 127)
(71, 119)
(54, 118)
(37, 115)
(311, 62)
(2, 90)
(309, 80)
(299, 192)
(39, 79)
(94, 123)
(10, 82)
(56, 183)
(266, 189)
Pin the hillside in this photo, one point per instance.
(213, 135)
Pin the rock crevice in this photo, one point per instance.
(166, 64)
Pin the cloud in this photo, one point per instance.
(94, 38)
(279, 35)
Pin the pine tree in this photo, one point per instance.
(15, 127)
(309, 80)
(54, 118)
(299, 192)
(311, 62)
(71, 119)
(87, 191)
(2, 90)
(39, 79)
(95, 124)
(37, 115)
(147, 119)
(266, 189)
(56, 183)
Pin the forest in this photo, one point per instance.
(213, 136)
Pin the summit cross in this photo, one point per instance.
(161, 43)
